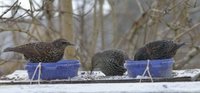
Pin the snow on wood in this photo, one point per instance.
(104, 87)
(21, 77)
(193, 73)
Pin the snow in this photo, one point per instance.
(194, 73)
(22, 76)
(18, 75)
(104, 87)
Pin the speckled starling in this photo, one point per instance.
(161, 49)
(110, 62)
(42, 51)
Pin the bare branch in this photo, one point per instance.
(190, 55)
(1, 16)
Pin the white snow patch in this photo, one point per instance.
(104, 87)
(21, 75)
(194, 73)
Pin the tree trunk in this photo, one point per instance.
(48, 7)
(101, 2)
(114, 23)
(66, 26)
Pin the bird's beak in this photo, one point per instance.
(71, 44)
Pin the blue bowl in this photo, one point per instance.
(157, 68)
(62, 69)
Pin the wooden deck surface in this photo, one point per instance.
(21, 77)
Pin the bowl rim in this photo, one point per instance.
(65, 61)
(131, 61)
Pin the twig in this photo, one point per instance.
(190, 55)
(186, 31)
(19, 30)
(140, 6)
(1, 16)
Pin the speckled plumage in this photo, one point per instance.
(110, 62)
(161, 49)
(42, 51)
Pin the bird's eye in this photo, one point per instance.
(64, 42)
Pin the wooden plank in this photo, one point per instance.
(159, 87)
(179, 79)
(20, 77)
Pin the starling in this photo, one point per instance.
(110, 62)
(161, 49)
(42, 51)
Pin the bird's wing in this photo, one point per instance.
(116, 65)
(33, 49)
(43, 48)
(157, 49)
(26, 49)
(156, 46)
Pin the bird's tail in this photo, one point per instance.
(8, 49)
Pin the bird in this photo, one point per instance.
(45, 52)
(160, 49)
(111, 62)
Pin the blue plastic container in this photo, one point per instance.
(157, 68)
(62, 69)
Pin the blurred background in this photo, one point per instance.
(95, 25)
